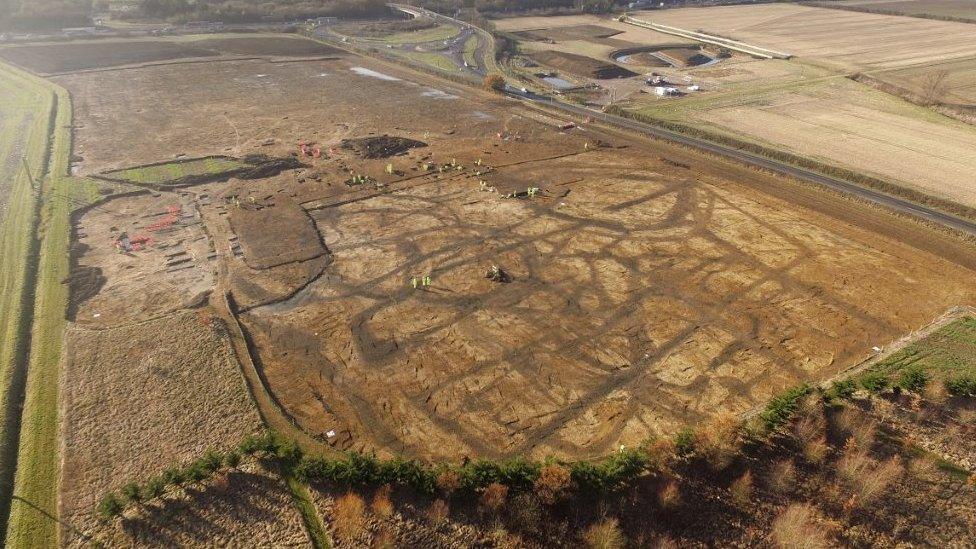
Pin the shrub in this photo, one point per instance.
(381, 505)
(718, 440)
(494, 83)
(875, 482)
(783, 406)
(438, 512)
(110, 506)
(684, 442)
(553, 484)
(232, 459)
(448, 481)
(796, 528)
(816, 450)
(913, 379)
(782, 476)
(349, 518)
(493, 497)
(173, 476)
(741, 489)
(131, 493)
(660, 453)
(842, 389)
(211, 461)
(605, 534)
(670, 495)
(874, 382)
(519, 473)
(809, 428)
(154, 488)
(961, 385)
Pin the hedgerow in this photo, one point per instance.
(363, 470)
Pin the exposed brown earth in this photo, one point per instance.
(644, 294)
(581, 65)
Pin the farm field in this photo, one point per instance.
(963, 9)
(435, 372)
(839, 39)
(59, 58)
(951, 82)
(842, 123)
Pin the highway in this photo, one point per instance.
(894, 203)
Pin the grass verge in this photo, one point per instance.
(27, 119)
(34, 510)
(310, 517)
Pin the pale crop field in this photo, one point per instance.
(842, 39)
(848, 124)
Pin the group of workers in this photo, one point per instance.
(422, 281)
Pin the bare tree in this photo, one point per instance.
(935, 85)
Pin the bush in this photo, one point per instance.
(232, 459)
(782, 407)
(173, 476)
(349, 516)
(110, 506)
(961, 385)
(605, 534)
(494, 83)
(913, 379)
(796, 528)
(493, 497)
(438, 512)
(382, 506)
(684, 442)
(154, 488)
(842, 389)
(718, 440)
(670, 495)
(448, 481)
(553, 484)
(874, 382)
(131, 493)
(741, 489)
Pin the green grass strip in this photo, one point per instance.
(32, 515)
(310, 517)
(25, 116)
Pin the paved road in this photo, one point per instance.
(891, 202)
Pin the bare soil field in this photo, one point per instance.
(139, 398)
(644, 295)
(841, 39)
(246, 507)
(938, 8)
(78, 56)
(581, 65)
(560, 28)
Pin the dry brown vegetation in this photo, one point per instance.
(605, 534)
(140, 398)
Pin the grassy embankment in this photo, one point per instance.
(25, 111)
(45, 264)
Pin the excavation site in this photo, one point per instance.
(452, 274)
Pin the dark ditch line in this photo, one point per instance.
(13, 415)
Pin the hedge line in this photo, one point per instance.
(361, 470)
